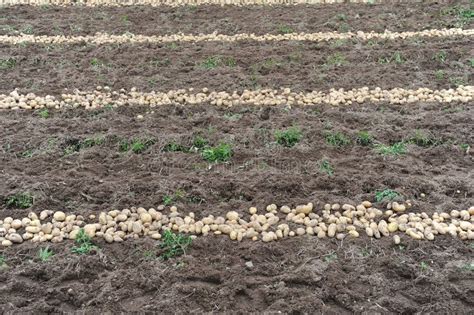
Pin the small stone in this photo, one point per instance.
(249, 264)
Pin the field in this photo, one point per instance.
(260, 157)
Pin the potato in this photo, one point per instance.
(59, 216)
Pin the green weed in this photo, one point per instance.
(156, 62)
(149, 255)
(337, 139)
(289, 137)
(218, 61)
(138, 145)
(169, 199)
(77, 146)
(457, 81)
(330, 257)
(464, 15)
(326, 167)
(233, 117)
(174, 244)
(468, 267)
(221, 153)
(84, 243)
(200, 143)
(440, 75)
(265, 67)
(175, 147)
(465, 147)
(44, 113)
(424, 266)
(3, 261)
(8, 63)
(395, 149)
(45, 254)
(440, 56)
(471, 62)
(27, 29)
(27, 154)
(364, 138)
(285, 29)
(341, 17)
(91, 142)
(336, 59)
(386, 194)
(396, 57)
(422, 139)
(20, 200)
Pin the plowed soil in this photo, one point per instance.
(301, 66)
(393, 16)
(296, 275)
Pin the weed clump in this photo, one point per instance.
(326, 167)
(289, 137)
(221, 153)
(174, 244)
(364, 138)
(423, 139)
(20, 200)
(45, 254)
(136, 145)
(395, 149)
(337, 139)
(84, 243)
(386, 194)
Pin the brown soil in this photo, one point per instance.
(408, 16)
(297, 275)
(243, 65)
(260, 171)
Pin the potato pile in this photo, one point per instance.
(176, 3)
(103, 95)
(272, 224)
(102, 38)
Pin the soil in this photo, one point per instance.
(295, 275)
(242, 65)
(393, 16)
(43, 156)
